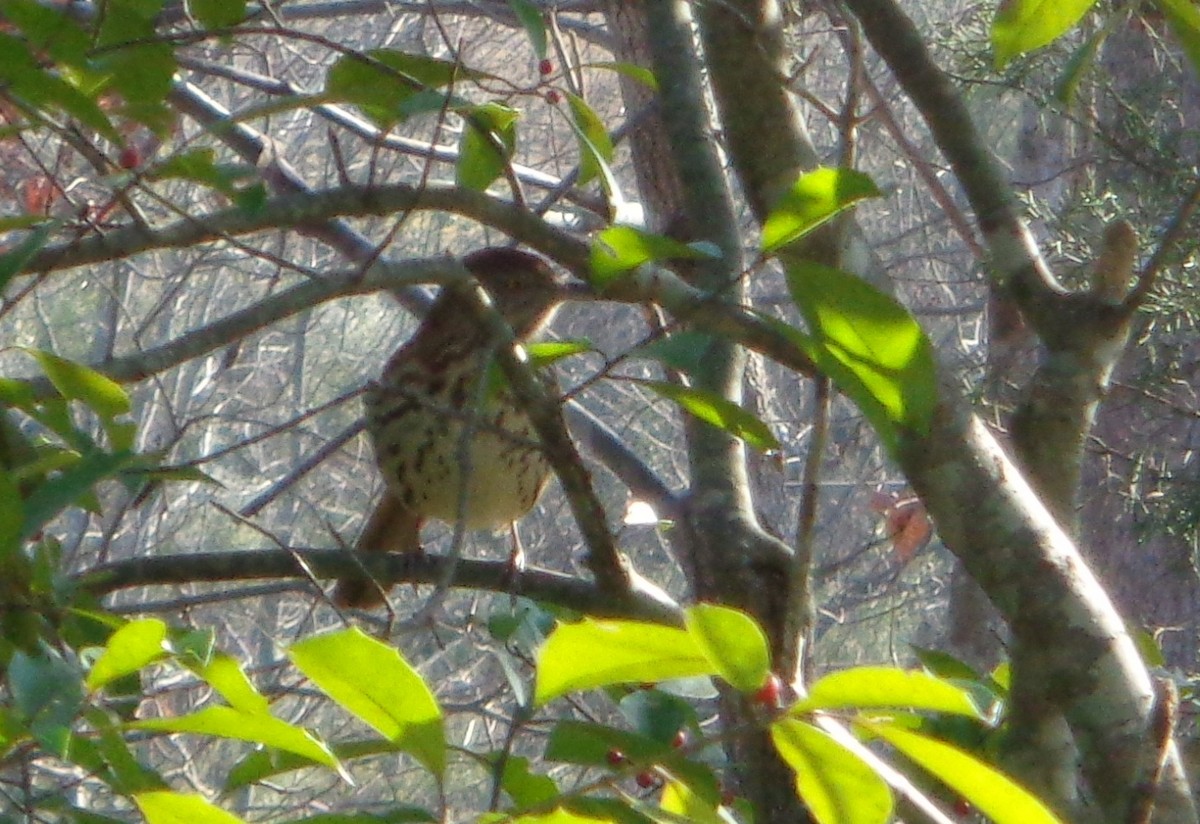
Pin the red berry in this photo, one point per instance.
(545, 66)
(770, 692)
(727, 798)
(553, 97)
(615, 757)
(646, 780)
(130, 158)
(962, 807)
(680, 739)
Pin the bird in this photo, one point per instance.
(438, 408)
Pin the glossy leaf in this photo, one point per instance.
(834, 783)
(130, 648)
(543, 353)
(257, 728)
(870, 346)
(1024, 25)
(488, 142)
(721, 413)
(621, 249)
(989, 791)
(813, 199)
(224, 674)
(596, 147)
(733, 641)
(167, 807)
(559, 815)
(678, 799)
(267, 762)
(591, 654)
(880, 687)
(373, 682)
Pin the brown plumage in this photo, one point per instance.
(431, 387)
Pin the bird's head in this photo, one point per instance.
(523, 286)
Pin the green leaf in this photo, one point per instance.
(50, 30)
(944, 665)
(487, 145)
(877, 687)
(834, 783)
(657, 714)
(75, 382)
(989, 791)
(733, 641)
(721, 413)
(130, 648)
(1024, 25)
(577, 742)
(200, 166)
(143, 74)
(591, 654)
(384, 81)
(870, 346)
(812, 200)
(643, 76)
(374, 682)
(218, 14)
(621, 249)
(1077, 68)
(266, 762)
(530, 17)
(167, 807)
(48, 694)
(15, 259)
(677, 799)
(12, 516)
(559, 815)
(595, 146)
(1184, 19)
(543, 353)
(525, 787)
(74, 484)
(224, 674)
(683, 350)
(257, 728)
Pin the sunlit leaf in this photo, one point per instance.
(130, 648)
(76, 382)
(591, 654)
(870, 346)
(834, 783)
(488, 142)
(596, 147)
(373, 681)
(989, 791)
(621, 249)
(1024, 25)
(879, 687)
(721, 413)
(257, 728)
(167, 807)
(733, 641)
(813, 199)
(224, 673)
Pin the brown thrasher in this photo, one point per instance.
(435, 410)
